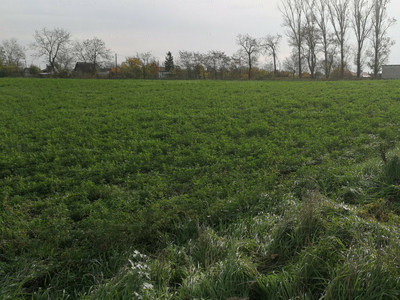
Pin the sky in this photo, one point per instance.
(156, 26)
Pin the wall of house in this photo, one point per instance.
(81, 74)
(162, 74)
(391, 72)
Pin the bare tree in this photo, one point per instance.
(186, 61)
(380, 42)
(270, 43)
(92, 51)
(198, 62)
(195, 63)
(215, 62)
(290, 64)
(2, 56)
(311, 35)
(237, 65)
(146, 59)
(292, 11)
(12, 54)
(224, 64)
(327, 43)
(50, 43)
(249, 49)
(64, 61)
(362, 27)
(339, 14)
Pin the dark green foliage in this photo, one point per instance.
(34, 70)
(169, 62)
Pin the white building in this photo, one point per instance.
(162, 73)
(391, 72)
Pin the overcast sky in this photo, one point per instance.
(157, 26)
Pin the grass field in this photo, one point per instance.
(199, 189)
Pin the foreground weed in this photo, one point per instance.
(208, 248)
(133, 280)
(390, 179)
(225, 279)
(363, 277)
(274, 286)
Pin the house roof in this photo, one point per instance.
(104, 69)
(162, 70)
(49, 70)
(84, 67)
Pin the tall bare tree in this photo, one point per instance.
(193, 63)
(361, 12)
(328, 45)
(199, 61)
(311, 35)
(215, 62)
(50, 43)
(224, 64)
(185, 62)
(249, 48)
(292, 11)
(237, 66)
(290, 64)
(92, 51)
(380, 42)
(13, 54)
(65, 61)
(270, 43)
(339, 13)
(2, 56)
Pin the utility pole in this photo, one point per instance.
(116, 65)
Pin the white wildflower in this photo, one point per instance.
(147, 286)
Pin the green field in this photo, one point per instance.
(120, 189)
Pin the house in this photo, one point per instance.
(27, 72)
(104, 72)
(162, 73)
(350, 74)
(84, 70)
(391, 72)
(365, 75)
(48, 72)
(90, 70)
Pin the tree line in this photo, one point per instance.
(317, 30)
(58, 50)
